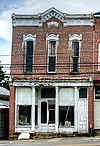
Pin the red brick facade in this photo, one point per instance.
(88, 58)
(12, 110)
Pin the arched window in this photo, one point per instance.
(75, 43)
(29, 43)
(52, 43)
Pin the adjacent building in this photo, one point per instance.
(54, 58)
(4, 113)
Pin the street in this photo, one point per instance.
(72, 141)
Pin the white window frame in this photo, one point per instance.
(52, 37)
(27, 38)
(72, 38)
(98, 56)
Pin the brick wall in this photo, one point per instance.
(12, 110)
(63, 54)
(96, 46)
(91, 106)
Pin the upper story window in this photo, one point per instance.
(52, 43)
(75, 43)
(29, 43)
(99, 56)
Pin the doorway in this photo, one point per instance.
(47, 115)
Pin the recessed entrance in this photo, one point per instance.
(47, 109)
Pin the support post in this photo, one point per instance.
(33, 108)
(56, 111)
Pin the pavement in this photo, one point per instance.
(63, 141)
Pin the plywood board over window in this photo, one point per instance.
(24, 96)
(66, 96)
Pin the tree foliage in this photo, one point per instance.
(4, 79)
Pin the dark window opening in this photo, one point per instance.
(24, 113)
(75, 56)
(82, 93)
(43, 112)
(51, 113)
(29, 56)
(36, 114)
(75, 64)
(66, 116)
(97, 92)
(48, 93)
(52, 62)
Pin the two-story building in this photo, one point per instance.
(52, 87)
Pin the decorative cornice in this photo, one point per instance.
(39, 19)
(55, 82)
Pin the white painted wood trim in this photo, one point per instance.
(76, 109)
(56, 111)
(33, 109)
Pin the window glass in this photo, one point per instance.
(97, 92)
(43, 112)
(66, 116)
(52, 47)
(29, 56)
(48, 93)
(24, 115)
(75, 47)
(52, 61)
(82, 93)
(75, 56)
(36, 114)
(75, 64)
(51, 108)
(51, 56)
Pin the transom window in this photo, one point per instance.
(83, 93)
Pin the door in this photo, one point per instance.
(47, 115)
(82, 116)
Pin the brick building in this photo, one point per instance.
(96, 78)
(52, 70)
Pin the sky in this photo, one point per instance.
(7, 7)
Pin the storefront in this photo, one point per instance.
(52, 108)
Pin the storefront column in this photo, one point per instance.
(56, 110)
(76, 109)
(33, 108)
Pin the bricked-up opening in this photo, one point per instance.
(83, 93)
(29, 56)
(66, 116)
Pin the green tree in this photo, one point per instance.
(4, 79)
